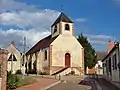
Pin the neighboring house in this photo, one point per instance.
(90, 70)
(98, 68)
(99, 65)
(111, 61)
(58, 53)
(14, 58)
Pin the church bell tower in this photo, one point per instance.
(63, 25)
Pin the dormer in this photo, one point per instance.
(62, 25)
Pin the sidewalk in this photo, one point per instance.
(40, 85)
(116, 84)
(106, 85)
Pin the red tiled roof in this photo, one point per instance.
(45, 42)
(116, 46)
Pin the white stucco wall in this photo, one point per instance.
(66, 43)
(104, 69)
(40, 57)
(98, 63)
(99, 70)
(39, 61)
(115, 73)
(45, 63)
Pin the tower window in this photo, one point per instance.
(67, 27)
(55, 28)
(45, 54)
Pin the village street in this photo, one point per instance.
(76, 84)
(70, 83)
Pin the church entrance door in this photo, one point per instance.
(67, 60)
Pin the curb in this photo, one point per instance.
(98, 86)
(49, 86)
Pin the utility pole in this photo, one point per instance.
(24, 59)
(12, 63)
(24, 51)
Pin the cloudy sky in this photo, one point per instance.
(99, 20)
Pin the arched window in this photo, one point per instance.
(55, 28)
(67, 27)
(45, 54)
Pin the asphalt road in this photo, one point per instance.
(73, 83)
(69, 86)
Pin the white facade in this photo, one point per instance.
(15, 65)
(66, 44)
(110, 64)
(99, 68)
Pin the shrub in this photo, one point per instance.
(43, 73)
(32, 71)
(72, 72)
(18, 71)
(12, 81)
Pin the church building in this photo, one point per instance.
(14, 58)
(58, 53)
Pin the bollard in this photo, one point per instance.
(55, 76)
(59, 77)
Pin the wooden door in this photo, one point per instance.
(67, 60)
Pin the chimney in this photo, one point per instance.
(110, 45)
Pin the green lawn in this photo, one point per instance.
(26, 80)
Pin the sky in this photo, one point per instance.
(98, 20)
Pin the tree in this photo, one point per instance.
(89, 52)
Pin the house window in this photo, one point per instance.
(55, 28)
(114, 62)
(67, 27)
(45, 54)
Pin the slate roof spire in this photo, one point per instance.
(62, 17)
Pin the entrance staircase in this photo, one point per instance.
(58, 72)
(66, 71)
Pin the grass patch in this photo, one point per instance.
(27, 80)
